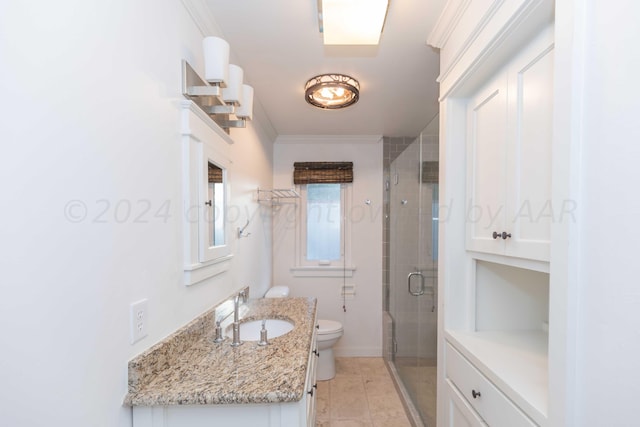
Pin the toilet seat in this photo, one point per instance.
(326, 327)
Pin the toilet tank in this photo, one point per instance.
(277, 292)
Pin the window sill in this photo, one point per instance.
(322, 271)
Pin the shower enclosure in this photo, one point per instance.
(411, 261)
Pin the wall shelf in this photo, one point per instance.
(274, 195)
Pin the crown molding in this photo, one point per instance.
(203, 17)
(328, 139)
(448, 20)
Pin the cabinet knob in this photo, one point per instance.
(504, 235)
(208, 203)
(475, 394)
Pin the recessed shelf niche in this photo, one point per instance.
(510, 298)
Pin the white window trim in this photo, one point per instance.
(336, 268)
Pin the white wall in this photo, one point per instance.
(90, 123)
(608, 372)
(362, 320)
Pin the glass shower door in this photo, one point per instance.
(413, 271)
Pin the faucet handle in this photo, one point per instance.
(263, 334)
(218, 337)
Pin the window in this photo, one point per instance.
(323, 247)
(324, 228)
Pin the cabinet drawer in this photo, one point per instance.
(493, 406)
(458, 412)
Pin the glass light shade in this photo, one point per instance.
(245, 111)
(332, 91)
(216, 60)
(232, 94)
(353, 22)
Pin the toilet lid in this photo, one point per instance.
(328, 326)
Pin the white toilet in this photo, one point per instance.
(329, 332)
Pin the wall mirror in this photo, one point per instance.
(216, 209)
(214, 230)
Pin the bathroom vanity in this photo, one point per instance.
(188, 380)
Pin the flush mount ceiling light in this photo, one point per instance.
(332, 91)
(352, 22)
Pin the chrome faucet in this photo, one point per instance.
(236, 314)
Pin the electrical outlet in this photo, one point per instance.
(138, 320)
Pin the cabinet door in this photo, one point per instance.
(509, 133)
(486, 166)
(458, 412)
(530, 97)
(311, 382)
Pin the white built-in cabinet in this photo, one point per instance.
(498, 66)
(458, 411)
(509, 210)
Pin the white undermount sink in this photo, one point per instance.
(250, 331)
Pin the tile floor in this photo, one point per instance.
(361, 394)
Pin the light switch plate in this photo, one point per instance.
(138, 320)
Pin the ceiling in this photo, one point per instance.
(279, 47)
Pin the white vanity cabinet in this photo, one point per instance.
(509, 210)
(189, 380)
(311, 384)
(283, 414)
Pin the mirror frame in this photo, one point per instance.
(202, 140)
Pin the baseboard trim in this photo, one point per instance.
(358, 352)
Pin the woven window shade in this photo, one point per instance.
(430, 172)
(215, 174)
(322, 172)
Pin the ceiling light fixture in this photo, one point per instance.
(332, 91)
(352, 22)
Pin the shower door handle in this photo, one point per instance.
(421, 291)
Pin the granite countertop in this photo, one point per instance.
(188, 368)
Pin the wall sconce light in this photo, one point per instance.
(332, 91)
(245, 111)
(216, 60)
(221, 94)
(232, 94)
